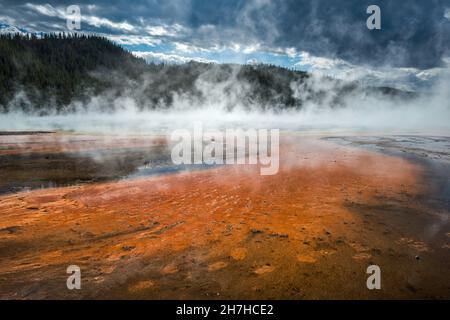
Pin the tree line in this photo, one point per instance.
(47, 73)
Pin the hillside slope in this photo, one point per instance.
(63, 72)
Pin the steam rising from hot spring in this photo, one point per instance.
(359, 111)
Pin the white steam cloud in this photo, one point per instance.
(221, 105)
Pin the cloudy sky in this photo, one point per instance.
(324, 36)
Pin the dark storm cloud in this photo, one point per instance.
(414, 33)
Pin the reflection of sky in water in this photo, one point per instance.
(433, 153)
(434, 148)
(165, 168)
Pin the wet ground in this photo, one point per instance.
(52, 160)
(139, 228)
(432, 153)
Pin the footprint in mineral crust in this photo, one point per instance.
(413, 244)
(264, 270)
(169, 269)
(362, 256)
(238, 253)
(306, 259)
(108, 269)
(142, 285)
(217, 266)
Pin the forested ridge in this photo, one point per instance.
(57, 67)
(49, 73)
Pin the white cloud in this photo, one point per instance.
(291, 52)
(133, 40)
(320, 63)
(429, 74)
(11, 30)
(252, 61)
(103, 22)
(447, 13)
(92, 7)
(235, 47)
(50, 11)
(45, 9)
(166, 30)
(7, 20)
(251, 48)
(402, 78)
(188, 48)
(169, 58)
